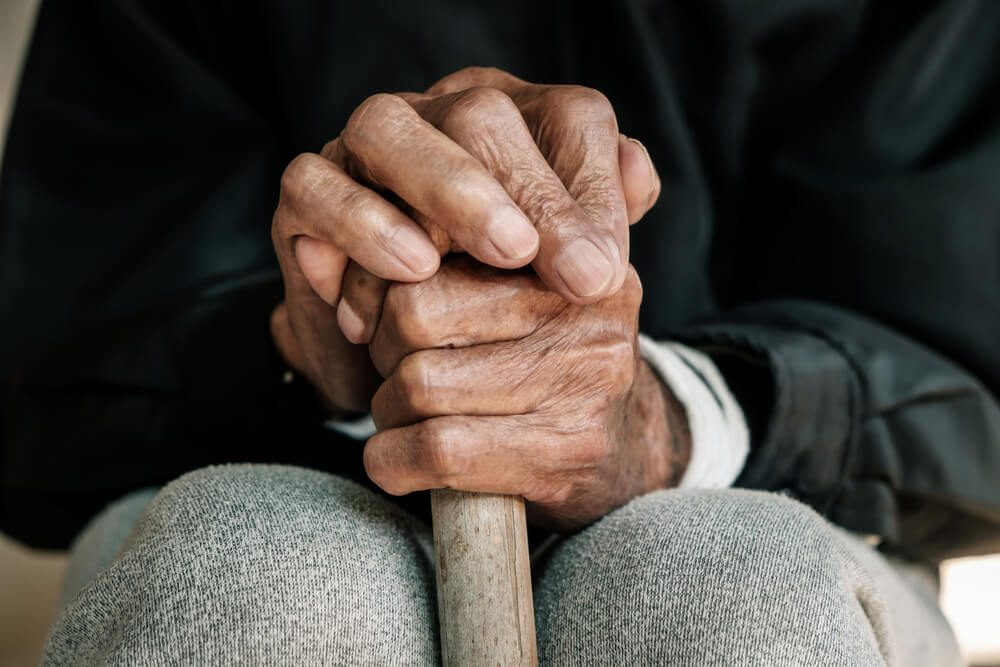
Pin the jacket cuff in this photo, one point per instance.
(808, 446)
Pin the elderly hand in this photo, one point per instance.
(508, 171)
(496, 384)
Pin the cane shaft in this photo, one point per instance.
(483, 580)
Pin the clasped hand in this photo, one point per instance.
(481, 378)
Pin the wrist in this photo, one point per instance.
(662, 429)
(678, 430)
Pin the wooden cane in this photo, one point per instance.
(483, 580)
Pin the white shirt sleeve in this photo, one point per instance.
(720, 439)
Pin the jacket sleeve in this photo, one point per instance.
(877, 432)
(136, 273)
(865, 273)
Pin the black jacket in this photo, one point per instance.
(829, 231)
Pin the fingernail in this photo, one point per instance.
(413, 249)
(649, 163)
(585, 268)
(512, 235)
(350, 323)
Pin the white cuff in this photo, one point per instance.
(720, 440)
(359, 429)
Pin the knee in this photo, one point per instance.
(259, 563)
(683, 570)
(740, 539)
(740, 534)
(281, 511)
(280, 528)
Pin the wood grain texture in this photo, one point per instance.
(483, 580)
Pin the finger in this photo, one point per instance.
(578, 130)
(322, 264)
(459, 307)
(435, 383)
(486, 123)
(360, 306)
(399, 150)
(337, 217)
(482, 454)
(640, 181)
(471, 77)
(578, 133)
(335, 152)
(499, 379)
(318, 349)
(285, 340)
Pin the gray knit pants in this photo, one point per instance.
(273, 565)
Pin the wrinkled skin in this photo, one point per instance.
(525, 382)
(481, 161)
(496, 384)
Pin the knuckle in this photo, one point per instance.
(377, 467)
(410, 320)
(371, 457)
(468, 181)
(616, 361)
(547, 205)
(366, 120)
(593, 449)
(396, 303)
(351, 204)
(478, 72)
(416, 387)
(583, 102)
(480, 107)
(468, 76)
(624, 377)
(329, 150)
(436, 450)
(303, 175)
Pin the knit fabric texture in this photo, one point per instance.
(275, 565)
